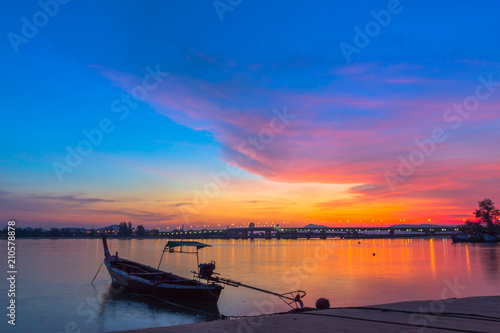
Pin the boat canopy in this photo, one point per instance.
(172, 244)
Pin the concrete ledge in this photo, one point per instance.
(472, 314)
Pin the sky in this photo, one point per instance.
(170, 113)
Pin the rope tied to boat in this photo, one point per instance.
(97, 272)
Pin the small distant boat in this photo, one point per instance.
(145, 279)
(491, 238)
(473, 238)
(457, 238)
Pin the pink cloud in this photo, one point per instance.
(336, 137)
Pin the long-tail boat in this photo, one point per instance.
(145, 279)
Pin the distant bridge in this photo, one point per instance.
(323, 233)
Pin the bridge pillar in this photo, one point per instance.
(322, 234)
(267, 234)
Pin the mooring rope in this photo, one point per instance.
(442, 314)
(386, 322)
(97, 273)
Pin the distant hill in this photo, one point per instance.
(203, 225)
(74, 229)
(315, 226)
(318, 226)
(419, 226)
(115, 227)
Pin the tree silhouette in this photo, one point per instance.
(471, 227)
(140, 230)
(487, 214)
(123, 231)
(37, 232)
(54, 232)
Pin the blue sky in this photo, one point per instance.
(225, 77)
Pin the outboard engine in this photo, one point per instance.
(207, 270)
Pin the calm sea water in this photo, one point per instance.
(54, 293)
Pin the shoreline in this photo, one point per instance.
(470, 314)
(248, 239)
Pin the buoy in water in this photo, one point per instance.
(322, 303)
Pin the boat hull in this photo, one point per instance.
(199, 292)
(483, 238)
(491, 238)
(467, 239)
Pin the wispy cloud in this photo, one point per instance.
(70, 198)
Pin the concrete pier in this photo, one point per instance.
(472, 314)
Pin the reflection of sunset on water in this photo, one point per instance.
(345, 271)
(432, 257)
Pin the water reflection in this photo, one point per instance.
(432, 257)
(116, 297)
(491, 261)
(55, 288)
(119, 309)
(467, 262)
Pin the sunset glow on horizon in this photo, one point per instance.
(166, 122)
